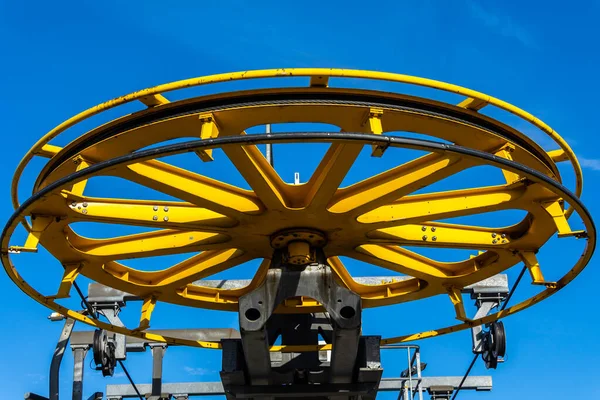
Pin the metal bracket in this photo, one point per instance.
(317, 282)
(487, 294)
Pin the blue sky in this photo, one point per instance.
(60, 58)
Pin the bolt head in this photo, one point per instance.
(155, 218)
(503, 235)
(85, 211)
(424, 237)
(433, 229)
(166, 209)
(155, 208)
(85, 204)
(424, 228)
(493, 235)
(494, 241)
(165, 219)
(434, 238)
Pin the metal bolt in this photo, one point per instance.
(155, 218)
(434, 238)
(73, 204)
(84, 211)
(424, 228)
(165, 219)
(166, 208)
(494, 241)
(84, 204)
(503, 241)
(503, 235)
(433, 229)
(424, 237)
(493, 235)
(155, 208)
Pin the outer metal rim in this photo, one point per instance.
(296, 72)
(380, 140)
(371, 99)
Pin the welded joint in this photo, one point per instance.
(374, 125)
(473, 104)
(39, 224)
(154, 100)
(319, 81)
(48, 150)
(455, 294)
(71, 273)
(208, 130)
(147, 308)
(505, 151)
(555, 210)
(533, 266)
(558, 155)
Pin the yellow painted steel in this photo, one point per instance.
(373, 220)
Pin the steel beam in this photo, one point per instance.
(158, 352)
(133, 343)
(98, 293)
(479, 383)
(79, 353)
(59, 351)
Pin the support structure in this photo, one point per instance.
(300, 316)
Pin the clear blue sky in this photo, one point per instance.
(62, 57)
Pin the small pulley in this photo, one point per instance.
(104, 353)
(494, 345)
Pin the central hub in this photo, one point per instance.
(298, 245)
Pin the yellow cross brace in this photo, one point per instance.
(473, 104)
(153, 100)
(459, 307)
(71, 272)
(506, 152)
(147, 308)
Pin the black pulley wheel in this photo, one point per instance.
(494, 345)
(104, 353)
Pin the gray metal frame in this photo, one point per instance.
(281, 283)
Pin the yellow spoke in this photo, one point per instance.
(163, 214)
(330, 173)
(162, 242)
(441, 205)
(445, 235)
(195, 291)
(202, 265)
(197, 189)
(260, 175)
(392, 185)
(401, 260)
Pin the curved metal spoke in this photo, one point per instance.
(260, 175)
(401, 260)
(202, 265)
(197, 189)
(445, 235)
(392, 185)
(441, 205)
(150, 213)
(330, 173)
(162, 242)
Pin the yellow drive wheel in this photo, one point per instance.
(373, 220)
